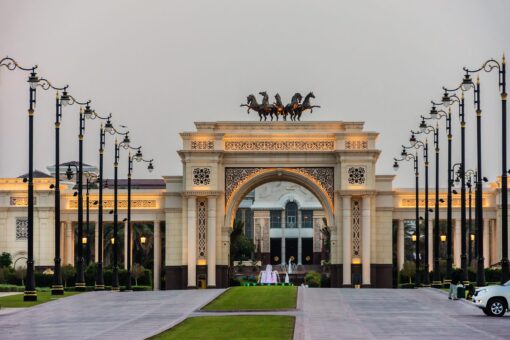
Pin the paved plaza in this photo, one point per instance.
(321, 314)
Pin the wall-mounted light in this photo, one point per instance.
(84, 240)
(443, 237)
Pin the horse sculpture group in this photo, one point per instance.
(294, 110)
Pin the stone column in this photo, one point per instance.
(346, 236)
(400, 244)
(300, 241)
(486, 250)
(431, 244)
(282, 260)
(457, 233)
(125, 244)
(192, 242)
(211, 241)
(69, 250)
(365, 240)
(157, 255)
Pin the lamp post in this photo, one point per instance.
(488, 66)
(139, 158)
(416, 144)
(115, 271)
(424, 128)
(57, 287)
(438, 114)
(80, 272)
(91, 178)
(108, 128)
(410, 157)
(447, 100)
(30, 293)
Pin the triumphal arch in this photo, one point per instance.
(224, 161)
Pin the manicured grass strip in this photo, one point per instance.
(16, 301)
(255, 298)
(278, 327)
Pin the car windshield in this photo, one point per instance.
(507, 283)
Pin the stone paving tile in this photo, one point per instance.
(105, 315)
(395, 314)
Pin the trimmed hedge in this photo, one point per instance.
(313, 279)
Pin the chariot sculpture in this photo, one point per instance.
(293, 110)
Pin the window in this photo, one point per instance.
(21, 228)
(307, 218)
(291, 215)
(276, 217)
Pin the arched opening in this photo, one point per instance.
(284, 214)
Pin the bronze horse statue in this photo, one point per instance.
(294, 109)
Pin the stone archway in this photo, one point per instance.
(240, 181)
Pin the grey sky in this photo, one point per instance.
(158, 66)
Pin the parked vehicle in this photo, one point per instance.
(493, 300)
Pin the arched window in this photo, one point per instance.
(291, 215)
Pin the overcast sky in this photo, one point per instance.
(158, 66)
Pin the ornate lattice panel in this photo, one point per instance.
(356, 144)
(20, 201)
(356, 175)
(21, 228)
(298, 145)
(201, 176)
(202, 145)
(356, 228)
(323, 176)
(135, 204)
(202, 228)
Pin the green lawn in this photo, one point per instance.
(255, 298)
(233, 327)
(42, 297)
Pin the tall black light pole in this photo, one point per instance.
(424, 128)
(438, 114)
(447, 100)
(414, 158)
(91, 178)
(416, 144)
(488, 66)
(139, 158)
(108, 128)
(30, 293)
(57, 287)
(80, 270)
(115, 271)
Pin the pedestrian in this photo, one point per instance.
(452, 292)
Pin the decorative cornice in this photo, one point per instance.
(201, 193)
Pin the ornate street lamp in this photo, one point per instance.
(410, 157)
(426, 129)
(30, 293)
(417, 144)
(488, 66)
(91, 178)
(115, 272)
(138, 157)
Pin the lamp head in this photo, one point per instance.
(412, 140)
(126, 141)
(69, 173)
(433, 112)
(423, 125)
(64, 99)
(467, 82)
(33, 79)
(150, 167)
(108, 127)
(88, 113)
(138, 155)
(446, 100)
(404, 152)
(395, 165)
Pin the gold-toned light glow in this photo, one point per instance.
(143, 239)
(84, 240)
(413, 237)
(112, 240)
(443, 237)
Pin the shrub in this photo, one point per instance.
(406, 285)
(5, 260)
(313, 279)
(407, 272)
(138, 272)
(68, 273)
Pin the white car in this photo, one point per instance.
(493, 300)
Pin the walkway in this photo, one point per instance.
(105, 315)
(394, 314)
(321, 314)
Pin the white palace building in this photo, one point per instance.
(285, 180)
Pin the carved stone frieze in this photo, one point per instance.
(269, 145)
